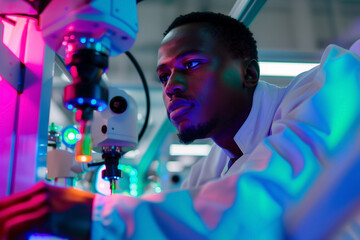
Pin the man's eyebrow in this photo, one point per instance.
(189, 52)
(180, 56)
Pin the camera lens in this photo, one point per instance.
(118, 104)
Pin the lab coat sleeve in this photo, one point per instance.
(316, 123)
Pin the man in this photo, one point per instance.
(271, 144)
(210, 80)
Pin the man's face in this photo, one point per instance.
(202, 84)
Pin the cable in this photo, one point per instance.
(146, 89)
(95, 164)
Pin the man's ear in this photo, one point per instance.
(252, 74)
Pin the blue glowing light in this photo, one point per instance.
(40, 236)
(93, 102)
(91, 40)
(101, 107)
(80, 101)
(69, 106)
(83, 40)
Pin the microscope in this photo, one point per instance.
(86, 33)
(113, 132)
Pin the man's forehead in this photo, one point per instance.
(186, 30)
(185, 38)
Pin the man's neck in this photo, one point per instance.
(224, 137)
(230, 147)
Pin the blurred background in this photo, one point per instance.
(286, 31)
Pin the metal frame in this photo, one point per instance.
(246, 10)
(25, 112)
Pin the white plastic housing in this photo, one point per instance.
(112, 22)
(61, 164)
(121, 128)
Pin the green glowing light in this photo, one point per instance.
(127, 169)
(87, 144)
(71, 136)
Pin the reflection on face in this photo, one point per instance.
(202, 84)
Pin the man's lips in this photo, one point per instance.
(179, 107)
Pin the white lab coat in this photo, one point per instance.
(256, 128)
(291, 136)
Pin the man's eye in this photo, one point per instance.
(164, 78)
(192, 64)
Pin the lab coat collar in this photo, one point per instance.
(356, 47)
(257, 125)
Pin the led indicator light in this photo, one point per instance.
(83, 158)
(101, 107)
(69, 106)
(93, 101)
(80, 101)
(70, 135)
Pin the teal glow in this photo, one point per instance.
(253, 193)
(133, 178)
(342, 108)
(281, 170)
(157, 189)
(126, 169)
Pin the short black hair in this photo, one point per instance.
(236, 37)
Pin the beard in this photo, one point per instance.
(190, 134)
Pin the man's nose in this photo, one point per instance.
(175, 84)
